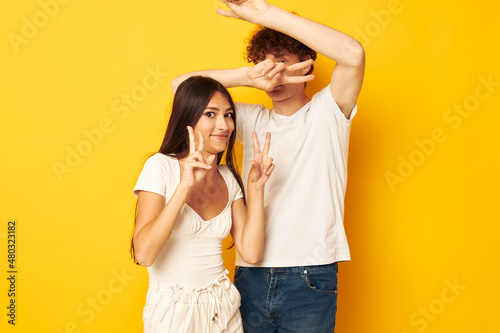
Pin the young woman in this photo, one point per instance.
(187, 204)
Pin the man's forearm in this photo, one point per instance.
(233, 77)
(327, 41)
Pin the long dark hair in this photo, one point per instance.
(190, 100)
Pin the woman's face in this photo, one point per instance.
(215, 125)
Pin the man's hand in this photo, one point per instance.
(247, 10)
(267, 74)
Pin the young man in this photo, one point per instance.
(294, 286)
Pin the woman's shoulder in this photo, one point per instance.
(157, 175)
(232, 183)
(161, 163)
(162, 159)
(224, 168)
(226, 173)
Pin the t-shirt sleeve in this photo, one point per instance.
(329, 105)
(154, 176)
(246, 114)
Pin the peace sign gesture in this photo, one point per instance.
(194, 167)
(267, 74)
(262, 164)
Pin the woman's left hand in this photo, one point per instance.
(262, 164)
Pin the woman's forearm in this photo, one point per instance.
(252, 241)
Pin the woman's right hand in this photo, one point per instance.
(194, 167)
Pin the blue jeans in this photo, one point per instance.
(288, 299)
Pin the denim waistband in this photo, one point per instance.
(293, 269)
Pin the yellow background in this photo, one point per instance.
(422, 199)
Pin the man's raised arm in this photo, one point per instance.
(347, 52)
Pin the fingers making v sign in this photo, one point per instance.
(194, 167)
(268, 74)
(262, 164)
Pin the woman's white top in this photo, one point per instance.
(192, 255)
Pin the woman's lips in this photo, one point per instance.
(220, 136)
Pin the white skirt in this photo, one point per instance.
(180, 309)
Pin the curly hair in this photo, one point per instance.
(267, 41)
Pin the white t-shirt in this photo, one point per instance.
(304, 198)
(193, 254)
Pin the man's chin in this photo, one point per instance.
(276, 91)
(276, 97)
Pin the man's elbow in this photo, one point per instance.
(178, 80)
(175, 83)
(356, 54)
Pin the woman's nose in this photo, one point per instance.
(222, 123)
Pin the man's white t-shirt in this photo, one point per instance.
(304, 198)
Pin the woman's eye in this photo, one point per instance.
(229, 115)
(210, 114)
